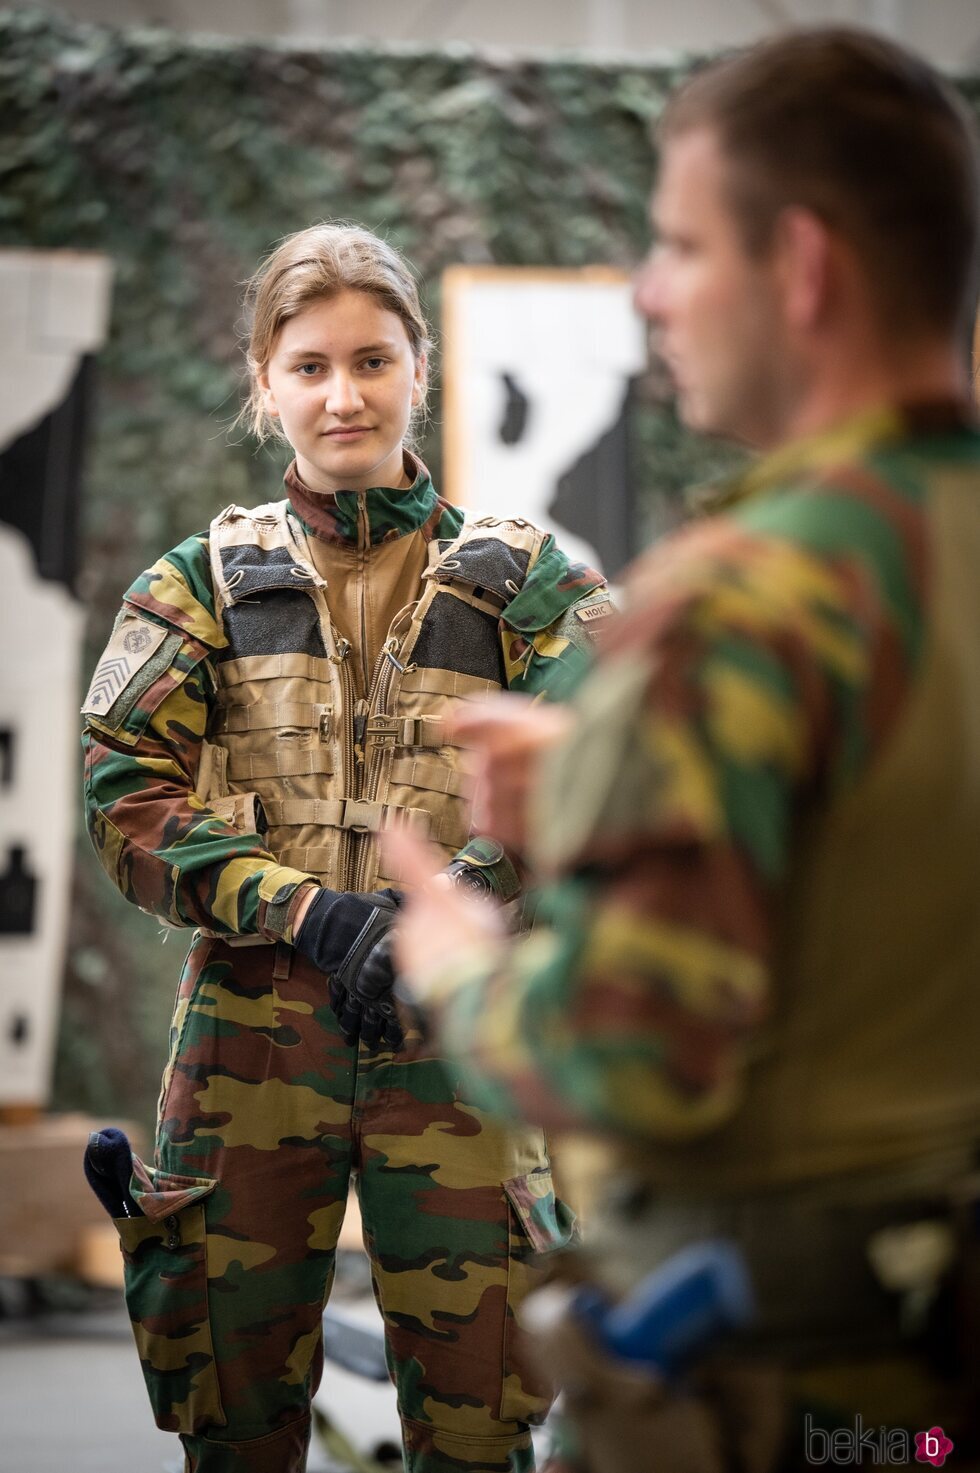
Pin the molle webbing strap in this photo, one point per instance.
(360, 817)
(264, 715)
(313, 861)
(447, 683)
(212, 772)
(404, 731)
(483, 599)
(430, 775)
(271, 667)
(327, 813)
(243, 811)
(246, 766)
(348, 813)
(370, 818)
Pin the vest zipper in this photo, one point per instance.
(363, 549)
(388, 664)
(356, 726)
(380, 689)
(348, 729)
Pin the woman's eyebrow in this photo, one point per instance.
(385, 345)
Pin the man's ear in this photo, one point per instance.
(805, 258)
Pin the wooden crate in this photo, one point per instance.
(51, 1222)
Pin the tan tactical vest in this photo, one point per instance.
(290, 743)
(870, 1063)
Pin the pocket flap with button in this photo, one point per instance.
(162, 1194)
(540, 1224)
(548, 1222)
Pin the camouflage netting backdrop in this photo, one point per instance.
(184, 160)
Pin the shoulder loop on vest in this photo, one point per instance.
(516, 534)
(265, 527)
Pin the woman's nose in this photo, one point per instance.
(343, 397)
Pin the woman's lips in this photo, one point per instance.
(352, 434)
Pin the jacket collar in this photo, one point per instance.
(364, 518)
(851, 438)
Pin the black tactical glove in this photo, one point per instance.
(345, 935)
(362, 985)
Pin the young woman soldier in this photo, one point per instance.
(273, 695)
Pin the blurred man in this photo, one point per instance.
(758, 949)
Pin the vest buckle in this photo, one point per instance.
(361, 816)
(383, 728)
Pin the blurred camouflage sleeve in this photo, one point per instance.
(748, 677)
(546, 634)
(146, 716)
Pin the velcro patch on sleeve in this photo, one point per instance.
(588, 613)
(133, 645)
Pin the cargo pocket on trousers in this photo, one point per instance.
(165, 1255)
(539, 1224)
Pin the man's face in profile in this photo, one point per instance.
(716, 306)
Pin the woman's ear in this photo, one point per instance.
(421, 382)
(268, 398)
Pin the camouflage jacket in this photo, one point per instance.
(768, 656)
(146, 726)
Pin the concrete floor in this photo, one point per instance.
(72, 1398)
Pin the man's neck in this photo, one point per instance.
(851, 386)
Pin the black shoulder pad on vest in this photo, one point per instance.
(284, 620)
(486, 562)
(250, 569)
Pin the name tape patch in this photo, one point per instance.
(590, 612)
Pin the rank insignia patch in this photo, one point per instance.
(130, 647)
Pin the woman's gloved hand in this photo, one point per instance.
(367, 982)
(345, 934)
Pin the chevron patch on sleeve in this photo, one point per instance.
(132, 646)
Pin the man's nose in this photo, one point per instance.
(343, 397)
(648, 295)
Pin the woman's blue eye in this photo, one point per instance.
(302, 367)
(375, 362)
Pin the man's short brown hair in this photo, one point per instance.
(868, 137)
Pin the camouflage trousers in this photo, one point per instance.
(266, 1114)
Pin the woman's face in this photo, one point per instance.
(343, 380)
